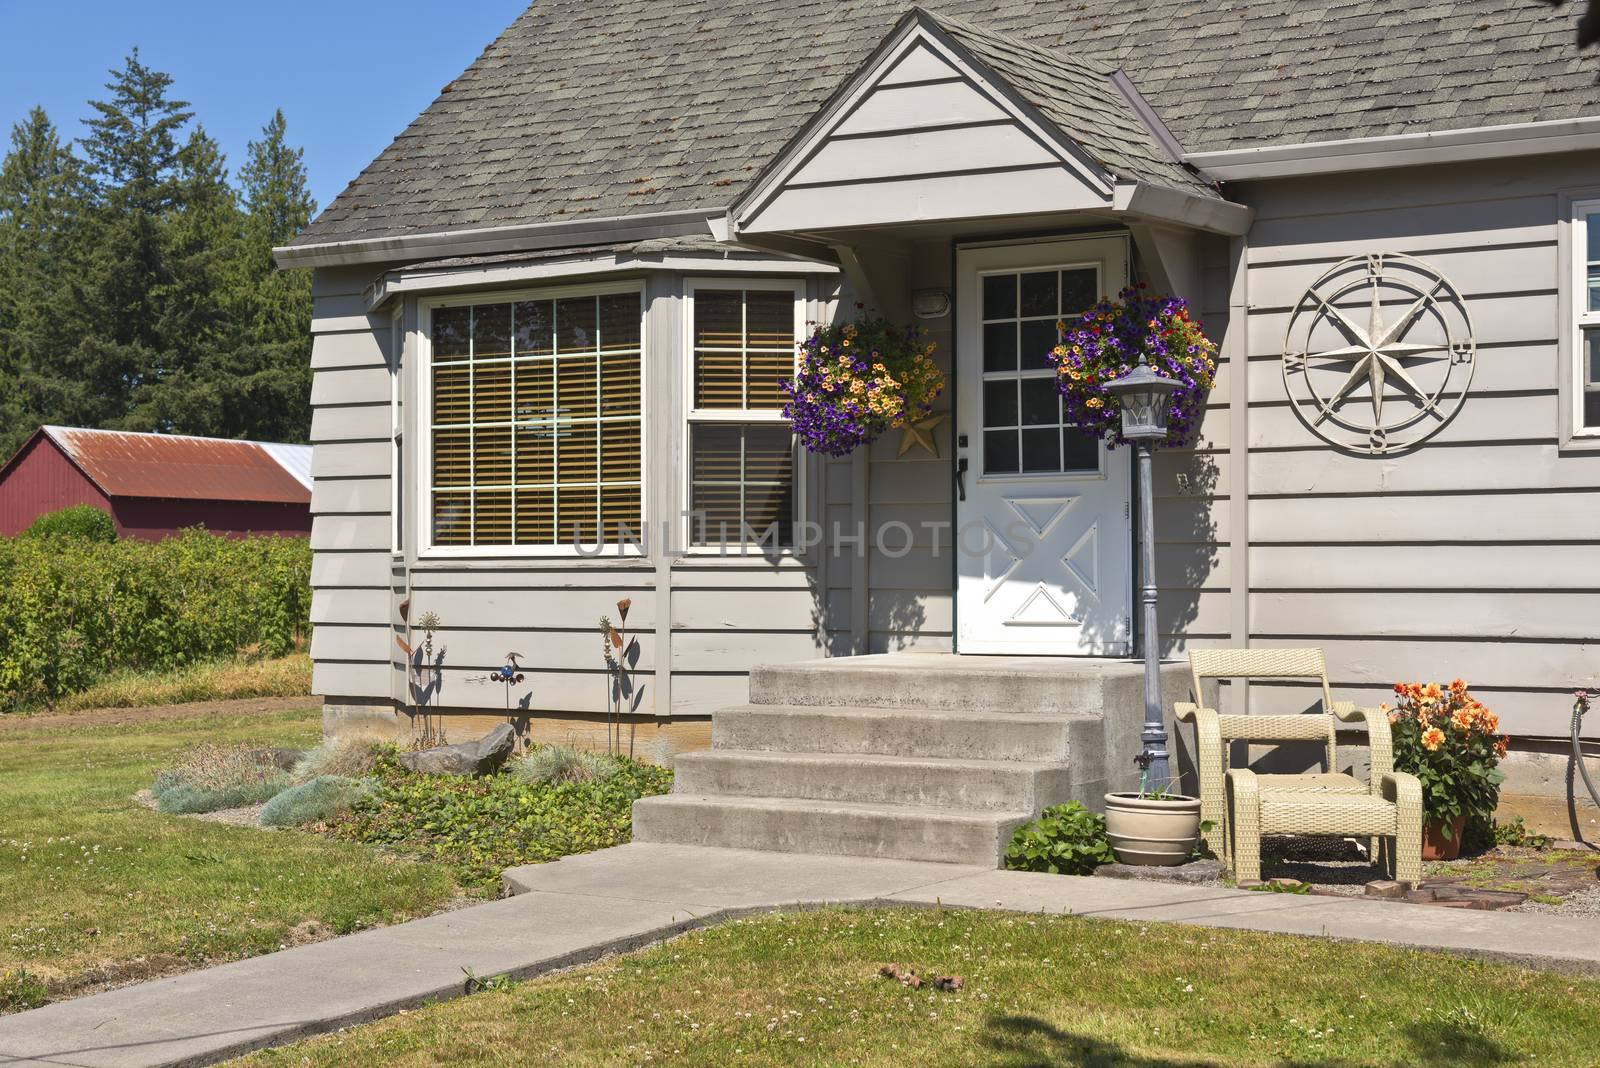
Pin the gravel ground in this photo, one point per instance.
(1582, 903)
(248, 816)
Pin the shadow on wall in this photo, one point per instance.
(1186, 551)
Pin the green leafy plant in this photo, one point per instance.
(76, 521)
(318, 801)
(215, 777)
(484, 825)
(74, 612)
(552, 764)
(1514, 832)
(1450, 742)
(21, 989)
(1065, 840)
(1275, 887)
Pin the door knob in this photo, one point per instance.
(961, 477)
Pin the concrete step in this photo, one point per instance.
(793, 825)
(1026, 685)
(989, 785)
(907, 732)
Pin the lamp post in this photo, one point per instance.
(1145, 397)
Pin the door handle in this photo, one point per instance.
(961, 477)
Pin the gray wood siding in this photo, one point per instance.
(350, 526)
(1474, 555)
(888, 156)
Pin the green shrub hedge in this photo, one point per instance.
(72, 610)
(76, 521)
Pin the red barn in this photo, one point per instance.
(155, 485)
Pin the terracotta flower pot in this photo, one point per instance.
(1157, 832)
(1435, 846)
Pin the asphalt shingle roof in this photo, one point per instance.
(623, 107)
(1079, 98)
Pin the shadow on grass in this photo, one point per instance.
(1029, 1042)
(1443, 1043)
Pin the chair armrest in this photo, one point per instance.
(1380, 741)
(1404, 790)
(1211, 758)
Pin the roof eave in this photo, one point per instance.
(485, 240)
(1177, 207)
(1400, 150)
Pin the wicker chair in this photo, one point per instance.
(1241, 805)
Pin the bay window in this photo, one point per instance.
(535, 419)
(742, 339)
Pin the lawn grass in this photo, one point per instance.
(221, 680)
(804, 989)
(98, 888)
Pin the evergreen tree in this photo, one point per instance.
(41, 203)
(137, 287)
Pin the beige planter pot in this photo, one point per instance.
(1154, 832)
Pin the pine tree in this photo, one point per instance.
(41, 210)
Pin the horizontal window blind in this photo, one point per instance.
(742, 459)
(537, 421)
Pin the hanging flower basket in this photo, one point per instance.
(857, 380)
(1105, 342)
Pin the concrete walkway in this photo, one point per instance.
(582, 908)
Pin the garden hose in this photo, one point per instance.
(1580, 707)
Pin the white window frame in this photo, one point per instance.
(1581, 318)
(397, 342)
(422, 494)
(735, 416)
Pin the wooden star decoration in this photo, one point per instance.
(921, 432)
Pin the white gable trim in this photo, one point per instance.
(917, 55)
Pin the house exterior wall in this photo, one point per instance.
(1474, 555)
(42, 480)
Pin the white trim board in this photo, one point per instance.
(441, 279)
(1400, 150)
(484, 240)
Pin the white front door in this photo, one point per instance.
(1043, 538)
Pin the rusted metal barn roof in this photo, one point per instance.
(126, 464)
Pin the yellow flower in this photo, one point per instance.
(1432, 739)
(1094, 402)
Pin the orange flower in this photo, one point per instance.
(1458, 687)
(1432, 739)
(1500, 745)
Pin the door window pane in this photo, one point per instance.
(1041, 449)
(1041, 404)
(1000, 403)
(1000, 452)
(1000, 347)
(1040, 293)
(1022, 416)
(1000, 296)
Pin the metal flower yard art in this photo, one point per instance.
(1109, 340)
(857, 380)
(621, 655)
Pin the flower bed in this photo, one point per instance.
(857, 380)
(1105, 343)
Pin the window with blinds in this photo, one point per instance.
(536, 421)
(741, 450)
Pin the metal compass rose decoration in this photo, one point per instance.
(1379, 353)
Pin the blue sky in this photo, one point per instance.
(349, 76)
